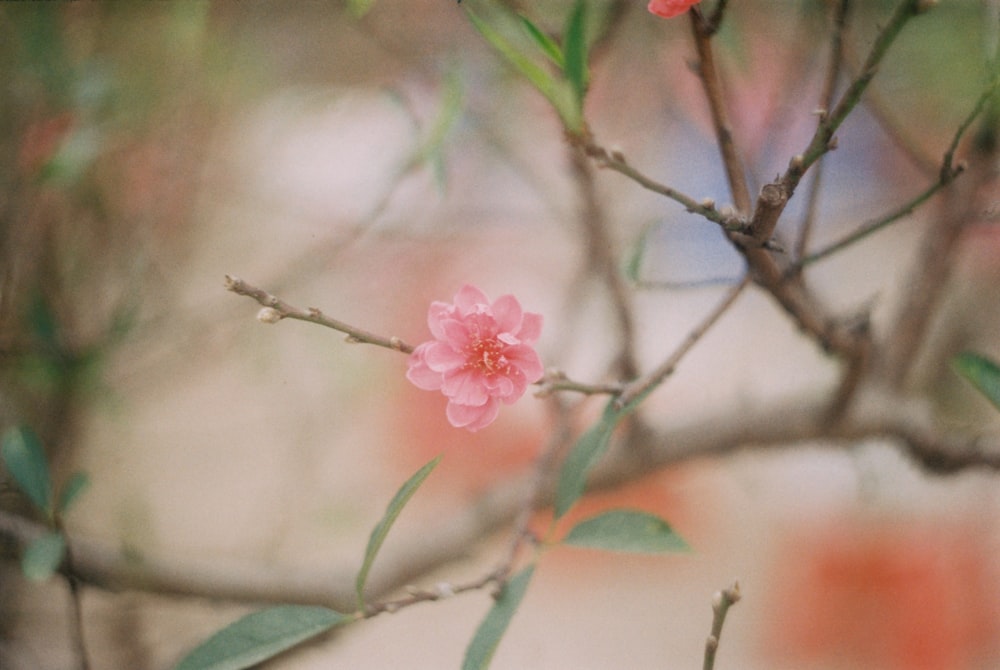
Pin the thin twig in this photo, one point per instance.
(721, 602)
(440, 591)
(707, 72)
(76, 600)
(826, 100)
(962, 205)
(556, 380)
(276, 309)
(886, 116)
(823, 139)
(946, 173)
(645, 384)
(873, 226)
(615, 160)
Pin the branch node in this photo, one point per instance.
(269, 315)
(444, 590)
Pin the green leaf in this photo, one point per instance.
(576, 52)
(487, 638)
(25, 461)
(628, 531)
(546, 43)
(358, 8)
(633, 266)
(71, 490)
(260, 636)
(431, 147)
(585, 453)
(588, 450)
(43, 556)
(554, 91)
(381, 529)
(982, 372)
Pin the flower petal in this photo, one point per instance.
(437, 313)
(507, 313)
(670, 8)
(419, 373)
(472, 418)
(441, 357)
(525, 359)
(531, 328)
(466, 387)
(470, 299)
(455, 333)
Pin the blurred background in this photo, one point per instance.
(369, 164)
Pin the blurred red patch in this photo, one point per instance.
(866, 594)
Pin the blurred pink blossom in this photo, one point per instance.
(481, 354)
(668, 9)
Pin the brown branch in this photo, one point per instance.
(721, 602)
(826, 100)
(556, 380)
(703, 30)
(615, 160)
(781, 425)
(276, 309)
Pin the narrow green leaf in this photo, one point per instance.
(260, 636)
(484, 643)
(585, 453)
(43, 556)
(381, 529)
(25, 461)
(588, 450)
(548, 45)
(628, 531)
(576, 51)
(554, 91)
(982, 372)
(633, 267)
(431, 147)
(71, 490)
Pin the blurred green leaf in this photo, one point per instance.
(575, 41)
(358, 8)
(555, 91)
(585, 453)
(25, 461)
(588, 450)
(484, 643)
(381, 529)
(982, 372)
(44, 325)
(633, 267)
(546, 43)
(627, 531)
(260, 636)
(71, 490)
(43, 556)
(431, 147)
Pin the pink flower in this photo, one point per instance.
(481, 355)
(668, 9)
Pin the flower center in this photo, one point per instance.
(487, 357)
